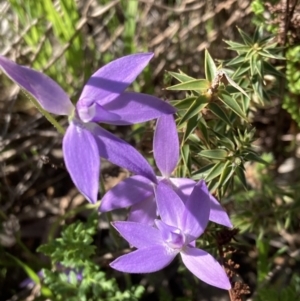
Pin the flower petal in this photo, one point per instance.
(166, 145)
(121, 153)
(91, 111)
(112, 79)
(144, 212)
(172, 236)
(183, 187)
(82, 159)
(137, 107)
(169, 204)
(196, 215)
(205, 267)
(45, 90)
(139, 235)
(218, 214)
(128, 192)
(145, 260)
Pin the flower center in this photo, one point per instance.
(175, 239)
(86, 109)
(172, 236)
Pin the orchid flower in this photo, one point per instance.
(138, 191)
(175, 233)
(102, 100)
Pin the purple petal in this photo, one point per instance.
(205, 267)
(144, 212)
(139, 235)
(91, 111)
(112, 79)
(172, 236)
(128, 192)
(169, 204)
(82, 160)
(166, 145)
(183, 187)
(45, 90)
(121, 153)
(137, 107)
(196, 215)
(145, 260)
(218, 214)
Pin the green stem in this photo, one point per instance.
(69, 214)
(112, 230)
(108, 215)
(48, 116)
(128, 282)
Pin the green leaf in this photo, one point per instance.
(271, 46)
(72, 277)
(252, 62)
(130, 9)
(226, 141)
(235, 85)
(247, 39)
(210, 67)
(263, 263)
(215, 171)
(226, 174)
(182, 77)
(214, 154)
(268, 40)
(241, 70)
(237, 60)
(245, 103)
(191, 125)
(258, 89)
(259, 68)
(237, 46)
(241, 49)
(28, 270)
(203, 132)
(239, 171)
(252, 156)
(196, 107)
(232, 104)
(233, 44)
(219, 112)
(271, 56)
(61, 31)
(269, 69)
(257, 34)
(203, 171)
(185, 154)
(192, 85)
(185, 103)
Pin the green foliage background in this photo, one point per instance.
(70, 39)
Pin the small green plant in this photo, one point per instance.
(73, 271)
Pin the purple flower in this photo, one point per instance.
(180, 225)
(102, 100)
(138, 191)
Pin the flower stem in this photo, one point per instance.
(69, 214)
(48, 116)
